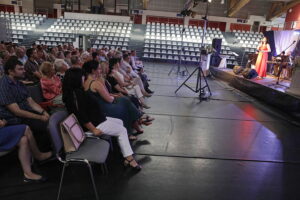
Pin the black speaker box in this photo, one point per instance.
(215, 60)
(249, 73)
(217, 44)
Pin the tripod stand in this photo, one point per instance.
(200, 74)
(199, 87)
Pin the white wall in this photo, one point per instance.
(5, 2)
(97, 17)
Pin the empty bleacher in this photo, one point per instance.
(164, 41)
(248, 40)
(103, 33)
(22, 23)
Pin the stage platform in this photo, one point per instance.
(265, 90)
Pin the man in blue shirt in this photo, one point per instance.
(16, 105)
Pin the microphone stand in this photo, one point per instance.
(287, 48)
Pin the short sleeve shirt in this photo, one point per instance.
(30, 68)
(12, 92)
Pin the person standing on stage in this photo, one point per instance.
(262, 58)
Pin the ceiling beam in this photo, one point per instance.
(275, 6)
(281, 9)
(235, 6)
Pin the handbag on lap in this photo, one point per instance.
(72, 133)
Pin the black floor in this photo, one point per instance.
(230, 147)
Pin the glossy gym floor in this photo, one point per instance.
(231, 147)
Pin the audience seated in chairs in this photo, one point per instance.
(114, 106)
(118, 82)
(17, 107)
(21, 136)
(127, 70)
(91, 116)
(21, 114)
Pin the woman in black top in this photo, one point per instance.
(90, 115)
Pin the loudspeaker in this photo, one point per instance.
(215, 60)
(249, 73)
(238, 70)
(217, 44)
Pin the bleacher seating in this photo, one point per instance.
(21, 23)
(164, 41)
(104, 34)
(248, 40)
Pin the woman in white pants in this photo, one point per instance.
(89, 114)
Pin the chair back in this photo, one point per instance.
(54, 129)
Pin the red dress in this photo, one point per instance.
(261, 62)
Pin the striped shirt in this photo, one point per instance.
(12, 92)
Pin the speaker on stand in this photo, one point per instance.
(215, 58)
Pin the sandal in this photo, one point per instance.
(127, 164)
(145, 122)
(147, 118)
(138, 133)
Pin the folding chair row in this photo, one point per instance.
(123, 48)
(171, 58)
(121, 39)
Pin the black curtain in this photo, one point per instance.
(271, 40)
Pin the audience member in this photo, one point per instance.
(16, 105)
(20, 53)
(32, 72)
(21, 136)
(75, 61)
(51, 84)
(60, 67)
(68, 55)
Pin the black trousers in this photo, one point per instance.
(40, 131)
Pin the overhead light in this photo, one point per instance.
(222, 1)
(209, 1)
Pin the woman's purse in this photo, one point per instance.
(72, 133)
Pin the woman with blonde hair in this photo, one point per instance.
(51, 84)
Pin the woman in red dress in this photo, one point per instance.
(262, 58)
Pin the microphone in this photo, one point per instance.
(294, 42)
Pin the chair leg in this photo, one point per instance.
(102, 169)
(93, 181)
(61, 180)
(105, 168)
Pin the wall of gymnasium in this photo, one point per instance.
(224, 23)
